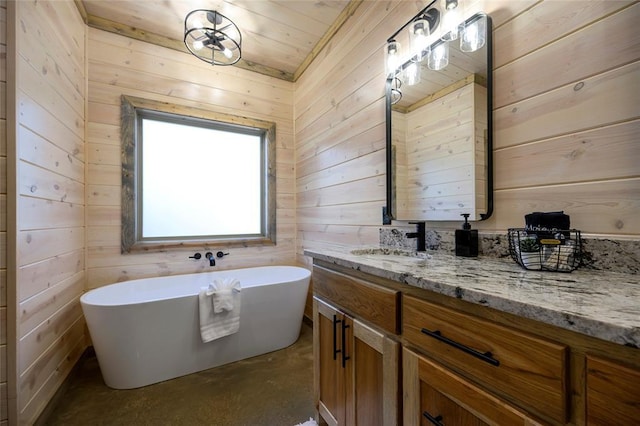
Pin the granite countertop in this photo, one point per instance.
(601, 304)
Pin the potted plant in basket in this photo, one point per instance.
(530, 252)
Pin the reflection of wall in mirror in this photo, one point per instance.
(444, 153)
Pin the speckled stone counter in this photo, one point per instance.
(601, 304)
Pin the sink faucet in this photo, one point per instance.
(212, 260)
(420, 235)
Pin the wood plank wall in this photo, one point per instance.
(122, 66)
(445, 154)
(3, 213)
(566, 117)
(566, 114)
(50, 130)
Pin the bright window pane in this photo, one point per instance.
(199, 181)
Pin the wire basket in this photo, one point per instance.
(543, 250)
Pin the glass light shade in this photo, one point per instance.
(392, 57)
(418, 35)
(396, 93)
(474, 35)
(439, 57)
(412, 74)
(451, 20)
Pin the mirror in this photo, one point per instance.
(439, 136)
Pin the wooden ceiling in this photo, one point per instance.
(280, 38)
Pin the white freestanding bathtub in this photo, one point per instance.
(146, 331)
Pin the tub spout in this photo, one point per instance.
(212, 260)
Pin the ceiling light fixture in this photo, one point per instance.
(212, 37)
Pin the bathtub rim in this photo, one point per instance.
(88, 296)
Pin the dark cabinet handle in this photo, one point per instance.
(344, 344)
(484, 356)
(335, 337)
(437, 421)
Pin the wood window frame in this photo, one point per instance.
(130, 240)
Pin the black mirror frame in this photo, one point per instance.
(387, 211)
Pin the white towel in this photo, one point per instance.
(223, 293)
(219, 309)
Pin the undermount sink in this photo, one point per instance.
(390, 252)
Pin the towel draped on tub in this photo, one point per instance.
(219, 309)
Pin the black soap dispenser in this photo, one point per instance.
(466, 239)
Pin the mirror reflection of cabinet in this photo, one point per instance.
(439, 138)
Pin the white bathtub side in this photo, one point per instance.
(144, 343)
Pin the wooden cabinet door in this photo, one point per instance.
(613, 393)
(329, 375)
(356, 370)
(374, 395)
(433, 395)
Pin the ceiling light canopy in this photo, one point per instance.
(212, 37)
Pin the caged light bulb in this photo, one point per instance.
(227, 53)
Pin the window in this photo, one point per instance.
(194, 177)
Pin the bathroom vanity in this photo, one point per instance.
(404, 339)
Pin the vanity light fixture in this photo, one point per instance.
(438, 56)
(212, 37)
(418, 34)
(396, 93)
(412, 73)
(392, 57)
(474, 34)
(451, 20)
(420, 27)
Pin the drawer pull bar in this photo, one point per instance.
(344, 344)
(486, 356)
(437, 421)
(335, 337)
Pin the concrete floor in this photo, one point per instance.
(274, 389)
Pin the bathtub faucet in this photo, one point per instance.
(212, 260)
